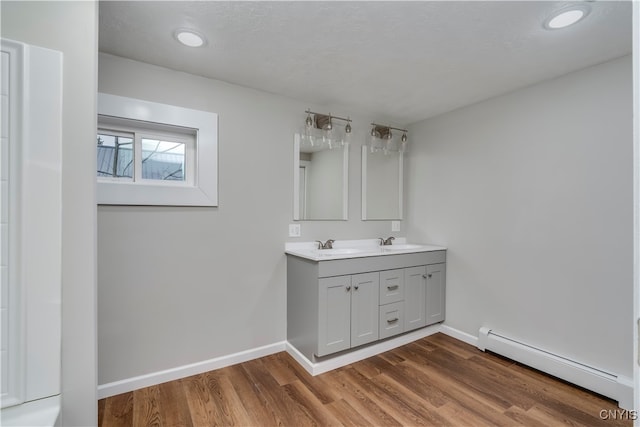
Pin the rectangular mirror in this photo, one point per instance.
(320, 182)
(382, 178)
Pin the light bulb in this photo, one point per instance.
(189, 38)
(567, 17)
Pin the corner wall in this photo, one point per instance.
(72, 28)
(532, 194)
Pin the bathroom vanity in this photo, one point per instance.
(347, 297)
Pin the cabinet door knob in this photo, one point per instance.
(355, 287)
(429, 275)
(424, 276)
(348, 288)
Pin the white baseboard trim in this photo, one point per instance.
(360, 354)
(154, 378)
(459, 335)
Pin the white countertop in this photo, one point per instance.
(343, 249)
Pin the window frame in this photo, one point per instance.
(201, 190)
(138, 131)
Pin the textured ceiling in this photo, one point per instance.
(397, 61)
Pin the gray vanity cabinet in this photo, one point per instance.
(435, 293)
(348, 312)
(336, 305)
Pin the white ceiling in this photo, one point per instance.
(396, 61)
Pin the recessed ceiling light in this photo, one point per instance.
(189, 38)
(566, 17)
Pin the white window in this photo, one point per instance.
(155, 154)
(134, 151)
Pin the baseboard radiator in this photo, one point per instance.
(588, 377)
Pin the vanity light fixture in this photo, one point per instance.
(319, 131)
(381, 139)
(566, 17)
(189, 38)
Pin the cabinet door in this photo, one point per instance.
(435, 293)
(391, 286)
(415, 303)
(364, 308)
(334, 314)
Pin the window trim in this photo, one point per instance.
(203, 192)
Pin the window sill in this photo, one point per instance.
(137, 194)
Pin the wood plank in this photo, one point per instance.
(308, 403)
(216, 382)
(252, 402)
(146, 407)
(419, 383)
(101, 405)
(431, 414)
(481, 403)
(280, 368)
(526, 418)
(392, 357)
(360, 401)
(174, 408)
(203, 410)
(372, 366)
(346, 414)
(118, 410)
(405, 409)
(274, 397)
(481, 382)
(463, 416)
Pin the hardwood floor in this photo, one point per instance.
(434, 381)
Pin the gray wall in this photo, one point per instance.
(71, 27)
(182, 285)
(532, 194)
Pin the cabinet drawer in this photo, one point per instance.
(391, 319)
(391, 286)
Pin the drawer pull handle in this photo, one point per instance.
(392, 288)
(392, 320)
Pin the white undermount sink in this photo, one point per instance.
(400, 247)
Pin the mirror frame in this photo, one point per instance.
(296, 183)
(365, 153)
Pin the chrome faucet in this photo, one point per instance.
(327, 245)
(386, 242)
